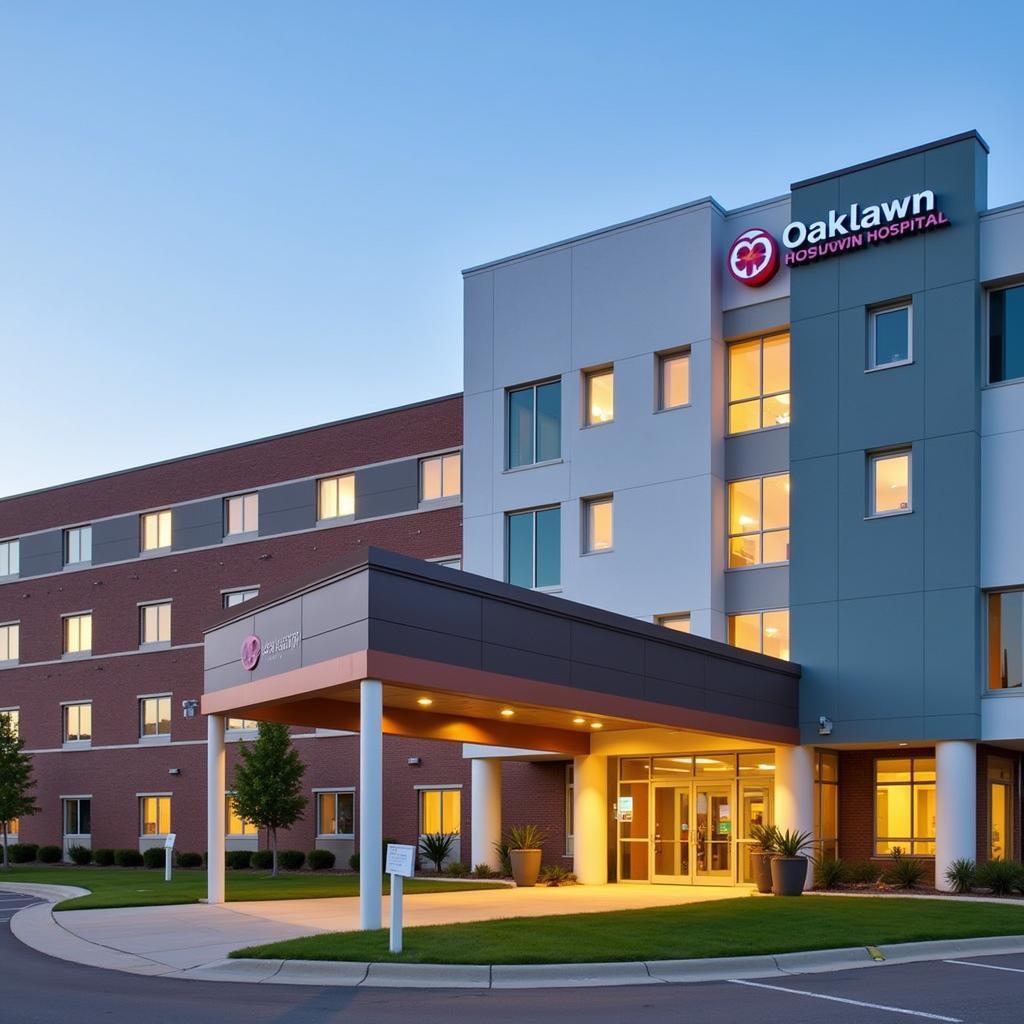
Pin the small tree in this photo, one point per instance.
(268, 782)
(16, 800)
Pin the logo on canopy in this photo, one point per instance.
(251, 648)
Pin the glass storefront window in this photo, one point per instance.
(670, 768)
(905, 805)
(721, 765)
(635, 768)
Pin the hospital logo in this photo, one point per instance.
(251, 650)
(754, 258)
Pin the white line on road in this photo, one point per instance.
(988, 967)
(850, 1002)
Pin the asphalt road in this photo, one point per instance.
(36, 989)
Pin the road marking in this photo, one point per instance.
(849, 1002)
(988, 967)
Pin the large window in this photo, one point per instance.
(242, 514)
(889, 336)
(78, 545)
(336, 813)
(10, 561)
(764, 632)
(78, 633)
(759, 521)
(1001, 845)
(155, 623)
(534, 423)
(77, 722)
(597, 524)
(440, 811)
(441, 477)
(826, 802)
(888, 483)
(534, 548)
(673, 379)
(241, 725)
(233, 597)
(599, 396)
(77, 816)
(155, 716)
(13, 715)
(156, 530)
(1005, 335)
(234, 823)
(1006, 640)
(336, 497)
(155, 815)
(10, 634)
(905, 805)
(759, 383)
(679, 621)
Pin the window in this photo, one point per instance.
(905, 805)
(759, 521)
(1001, 843)
(77, 816)
(233, 597)
(242, 514)
(599, 396)
(441, 477)
(9, 635)
(78, 545)
(13, 828)
(1005, 336)
(570, 810)
(679, 621)
(673, 379)
(13, 715)
(9, 557)
(336, 497)
(155, 623)
(155, 716)
(77, 722)
(763, 632)
(534, 548)
(889, 336)
(335, 813)
(156, 530)
(826, 802)
(597, 524)
(440, 811)
(1005, 640)
(241, 725)
(155, 815)
(759, 383)
(78, 633)
(534, 424)
(888, 483)
(234, 825)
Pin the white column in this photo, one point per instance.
(215, 808)
(590, 819)
(956, 782)
(794, 792)
(371, 796)
(485, 810)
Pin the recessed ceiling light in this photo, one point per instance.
(579, 721)
(507, 712)
(424, 702)
(597, 725)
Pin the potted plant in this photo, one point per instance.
(524, 850)
(789, 864)
(761, 852)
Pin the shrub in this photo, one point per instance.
(190, 860)
(555, 875)
(261, 860)
(1001, 876)
(484, 871)
(436, 848)
(22, 853)
(128, 859)
(291, 860)
(457, 869)
(905, 872)
(962, 874)
(51, 854)
(863, 872)
(320, 860)
(80, 855)
(103, 857)
(524, 837)
(238, 860)
(501, 849)
(829, 872)
(155, 857)
(353, 862)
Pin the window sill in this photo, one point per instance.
(234, 735)
(533, 465)
(237, 538)
(888, 515)
(76, 745)
(547, 590)
(599, 423)
(759, 430)
(451, 501)
(336, 835)
(74, 565)
(1004, 692)
(760, 565)
(13, 663)
(156, 645)
(323, 524)
(597, 551)
(889, 366)
(673, 408)
(155, 741)
(151, 552)
(75, 655)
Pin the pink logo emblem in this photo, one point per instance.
(754, 258)
(251, 648)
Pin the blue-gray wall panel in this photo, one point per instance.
(813, 534)
(751, 590)
(814, 628)
(757, 454)
(814, 287)
(952, 368)
(288, 507)
(755, 319)
(814, 371)
(949, 663)
(198, 524)
(42, 553)
(952, 514)
(388, 489)
(115, 540)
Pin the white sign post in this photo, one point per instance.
(400, 863)
(169, 854)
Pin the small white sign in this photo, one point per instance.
(401, 860)
(169, 841)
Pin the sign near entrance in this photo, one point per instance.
(401, 860)
(624, 810)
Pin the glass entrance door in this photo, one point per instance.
(671, 834)
(713, 834)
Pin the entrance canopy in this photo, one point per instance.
(471, 659)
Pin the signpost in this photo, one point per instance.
(400, 863)
(169, 854)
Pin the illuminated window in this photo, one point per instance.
(241, 725)
(10, 557)
(78, 633)
(77, 816)
(1005, 640)
(889, 343)
(1005, 336)
(78, 545)
(234, 825)
(570, 809)
(758, 383)
(1001, 839)
(905, 805)
(763, 632)
(155, 814)
(77, 722)
(534, 424)
(599, 396)
(13, 715)
(242, 514)
(155, 623)
(233, 597)
(155, 716)
(440, 811)
(336, 813)
(10, 634)
(156, 530)
(759, 521)
(13, 828)
(597, 524)
(826, 802)
(889, 483)
(337, 497)
(673, 379)
(441, 477)
(679, 621)
(534, 548)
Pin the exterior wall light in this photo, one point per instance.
(424, 702)
(189, 708)
(597, 725)
(507, 712)
(579, 721)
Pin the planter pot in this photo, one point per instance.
(788, 875)
(525, 866)
(761, 863)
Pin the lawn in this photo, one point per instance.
(139, 887)
(735, 927)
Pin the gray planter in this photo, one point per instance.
(789, 875)
(761, 863)
(525, 866)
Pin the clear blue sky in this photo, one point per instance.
(222, 220)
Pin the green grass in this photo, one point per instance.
(735, 927)
(139, 887)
